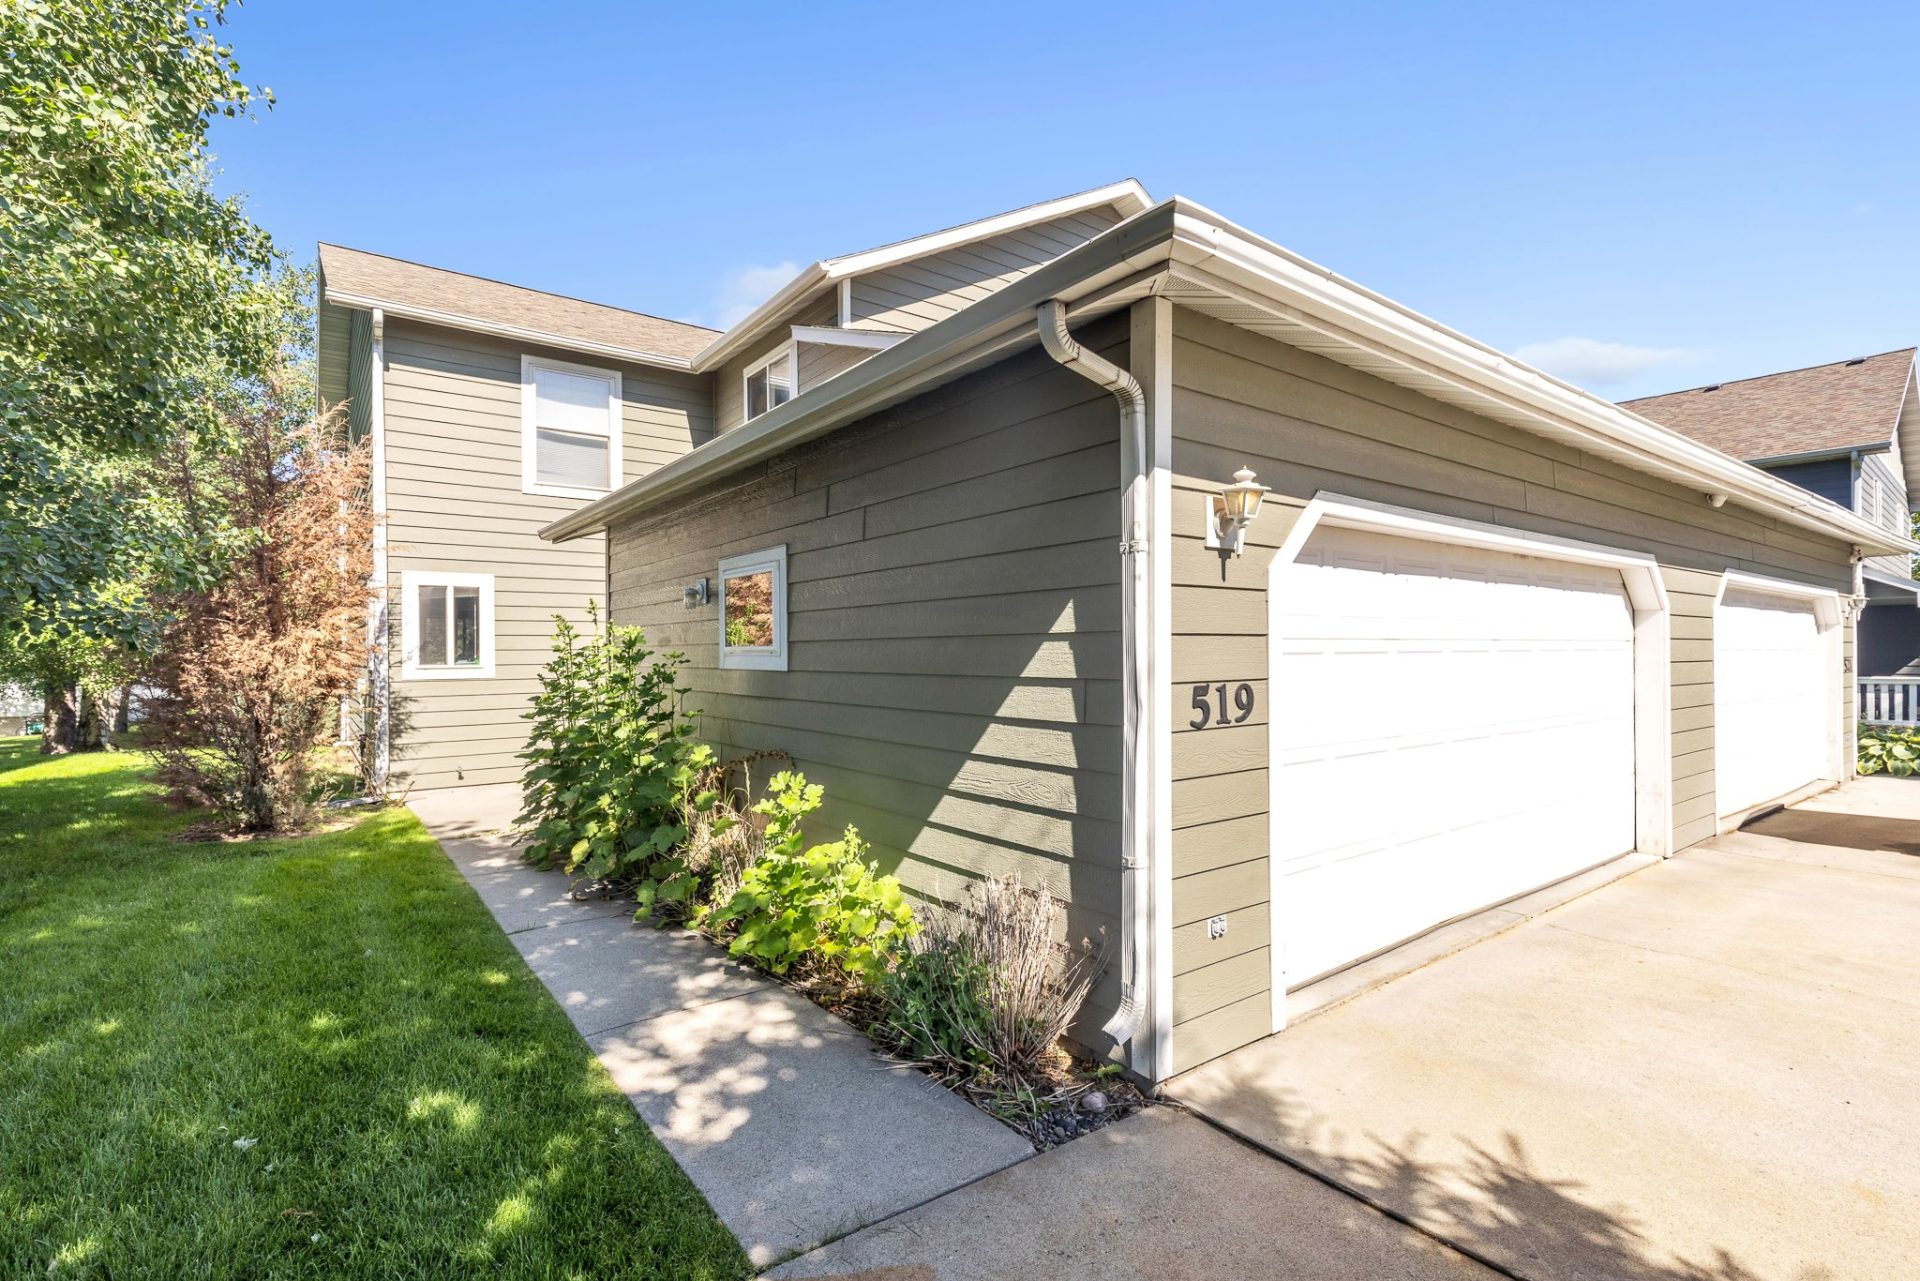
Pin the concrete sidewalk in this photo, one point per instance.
(1161, 1194)
(779, 1112)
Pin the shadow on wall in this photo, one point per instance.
(1496, 1206)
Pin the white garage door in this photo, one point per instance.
(1773, 693)
(1452, 727)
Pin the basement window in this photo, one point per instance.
(569, 428)
(769, 384)
(753, 610)
(446, 625)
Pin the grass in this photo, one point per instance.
(421, 1106)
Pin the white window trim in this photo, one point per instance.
(789, 352)
(529, 428)
(756, 658)
(411, 580)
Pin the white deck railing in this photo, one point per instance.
(1890, 700)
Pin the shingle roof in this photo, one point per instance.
(398, 283)
(1845, 405)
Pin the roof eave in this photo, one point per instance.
(1128, 195)
(519, 333)
(1182, 234)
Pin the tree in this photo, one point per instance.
(127, 287)
(252, 669)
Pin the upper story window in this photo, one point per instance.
(569, 428)
(770, 383)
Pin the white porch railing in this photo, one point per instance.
(1890, 700)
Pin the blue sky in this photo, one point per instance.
(1640, 198)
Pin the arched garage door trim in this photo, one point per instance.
(1652, 673)
(1829, 617)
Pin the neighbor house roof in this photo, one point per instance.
(1825, 409)
(1193, 257)
(356, 278)
(1128, 196)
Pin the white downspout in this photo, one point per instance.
(379, 672)
(1136, 828)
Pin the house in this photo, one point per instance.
(1840, 431)
(495, 410)
(1264, 622)
(1008, 588)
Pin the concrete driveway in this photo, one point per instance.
(1709, 1069)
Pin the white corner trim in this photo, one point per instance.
(877, 339)
(756, 658)
(529, 427)
(1652, 666)
(410, 668)
(1159, 676)
(844, 313)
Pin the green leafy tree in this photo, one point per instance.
(130, 294)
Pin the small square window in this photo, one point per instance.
(446, 623)
(753, 610)
(569, 428)
(769, 384)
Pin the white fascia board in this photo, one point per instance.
(518, 333)
(827, 335)
(984, 331)
(1129, 197)
(1379, 327)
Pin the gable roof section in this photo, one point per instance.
(356, 278)
(1128, 196)
(1193, 256)
(1825, 409)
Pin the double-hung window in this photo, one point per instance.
(753, 610)
(770, 383)
(446, 623)
(569, 428)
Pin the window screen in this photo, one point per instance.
(573, 428)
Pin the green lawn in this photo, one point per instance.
(421, 1107)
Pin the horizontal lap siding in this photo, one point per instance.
(953, 612)
(914, 295)
(1308, 425)
(729, 380)
(454, 504)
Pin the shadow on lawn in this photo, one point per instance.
(1496, 1206)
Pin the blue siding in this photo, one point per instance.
(1831, 478)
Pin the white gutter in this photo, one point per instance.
(519, 333)
(1310, 294)
(1136, 626)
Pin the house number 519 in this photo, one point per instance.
(1210, 705)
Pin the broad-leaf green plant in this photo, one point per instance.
(828, 903)
(1887, 748)
(613, 764)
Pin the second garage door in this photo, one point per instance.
(1774, 684)
(1453, 726)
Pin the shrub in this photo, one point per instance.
(252, 667)
(827, 903)
(613, 764)
(984, 994)
(1885, 747)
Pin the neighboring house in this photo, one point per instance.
(495, 409)
(1841, 431)
(1486, 632)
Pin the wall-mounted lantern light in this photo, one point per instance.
(1230, 511)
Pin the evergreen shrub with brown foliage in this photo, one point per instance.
(253, 667)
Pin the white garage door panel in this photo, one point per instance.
(1773, 696)
(1451, 727)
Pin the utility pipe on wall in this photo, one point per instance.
(1137, 678)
